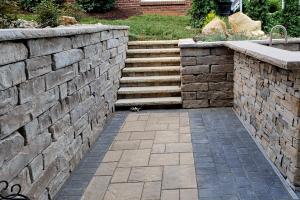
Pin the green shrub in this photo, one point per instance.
(273, 20)
(73, 10)
(199, 10)
(274, 5)
(258, 10)
(29, 5)
(210, 16)
(47, 13)
(8, 12)
(291, 17)
(97, 5)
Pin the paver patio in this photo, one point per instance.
(197, 154)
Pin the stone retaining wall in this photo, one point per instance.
(207, 76)
(57, 88)
(267, 99)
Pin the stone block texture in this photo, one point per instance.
(56, 94)
(206, 77)
(267, 99)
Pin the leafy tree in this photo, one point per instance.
(291, 17)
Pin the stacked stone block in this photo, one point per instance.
(267, 99)
(206, 76)
(56, 94)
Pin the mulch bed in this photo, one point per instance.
(116, 13)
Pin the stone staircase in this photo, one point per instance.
(151, 76)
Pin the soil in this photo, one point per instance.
(116, 13)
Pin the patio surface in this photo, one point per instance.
(201, 154)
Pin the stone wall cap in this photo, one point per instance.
(190, 43)
(282, 58)
(21, 34)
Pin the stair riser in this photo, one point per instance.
(151, 64)
(152, 55)
(136, 74)
(144, 84)
(154, 46)
(153, 95)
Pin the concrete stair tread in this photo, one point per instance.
(153, 51)
(149, 101)
(153, 60)
(149, 90)
(150, 79)
(153, 42)
(151, 69)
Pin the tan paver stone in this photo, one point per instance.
(143, 117)
(166, 114)
(184, 114)
(182, 176)
(124, 191)
(176, 132)
(134, 126)
(185, 138)
(135, 158)
(158, 148)
(145, 174)
(188, 194)
(166, 138)
(123, 136)
(106, 169)
(184, 122)
(186, 158)
(151, 191)
(179, 147)
(146, 144)
(96, 188)
(121, 175)
(170, 195)
(185, 130)
(163, 120)
(173, 127)
(125, 145)
(132, 117)
(145, 135)
(164, 159)
(112, 156)
(156, 127)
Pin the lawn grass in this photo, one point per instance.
(152, 27)
(145, 27)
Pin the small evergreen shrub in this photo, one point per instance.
(47, 13)
(199, 10)
(210, 16)
(8, 12)
(97, 5)
(72, 10)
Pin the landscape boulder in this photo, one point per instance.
(216, 26)
(241, 23)
(67, 21)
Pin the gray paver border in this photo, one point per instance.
(95, 154)
(282, 179)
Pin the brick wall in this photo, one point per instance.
(167, 8)
(57, 88)
(206, 76)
